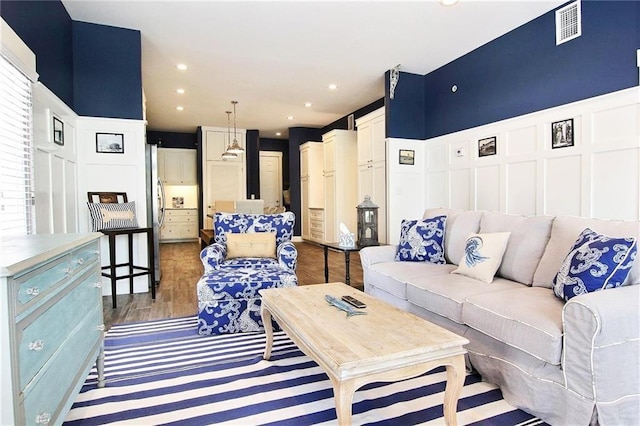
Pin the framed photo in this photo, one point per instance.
(407, 156)
(58, 131)
(562, 134)
(487, 146)
(112, 143)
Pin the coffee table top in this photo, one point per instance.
(387, 337)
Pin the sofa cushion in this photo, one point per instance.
(422, 240)
(564, 233)
(459, 225)
(444, 294)
(529, 237)
(392, 277)
(252, 244)
(483, 255)
(526, 318)
(595, 262)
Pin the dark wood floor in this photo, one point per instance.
(181, 268)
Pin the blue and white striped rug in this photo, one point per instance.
(163, 372)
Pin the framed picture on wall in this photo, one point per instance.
(407, 156)
(562, 133)
(111, 143)
(58, 131)
(487, 146)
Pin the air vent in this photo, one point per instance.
(568, 23)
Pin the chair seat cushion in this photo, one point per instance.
(229, 299)
(249, 263)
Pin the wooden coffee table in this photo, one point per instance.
(385, 345)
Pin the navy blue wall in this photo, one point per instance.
(524, 71)
(405, 113)
(107, 63)
(253, 163)
(45, 26)
(173, 139)
(94, 69)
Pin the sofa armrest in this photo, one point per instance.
(212, 256)
(287, 255)
(377, 254)
(602, 348)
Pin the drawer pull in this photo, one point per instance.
(68, 270)
(37, 345)
(33, 291)
(43, 418)
(101, 327)
(80, 261)
(96, 252)
(98, 285)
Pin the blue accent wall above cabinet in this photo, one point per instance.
(45, 26)
(108, 71)
(173, 139)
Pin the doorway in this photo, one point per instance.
(271, 178)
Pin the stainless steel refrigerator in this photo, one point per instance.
(155, 201)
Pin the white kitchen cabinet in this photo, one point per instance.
(222, 180)
(311, 189)
(177, 166)
(340, 182)
(372, 165)
(51, 324)
(179, 225)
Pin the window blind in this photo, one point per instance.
(17, 209)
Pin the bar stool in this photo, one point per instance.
(112, 233)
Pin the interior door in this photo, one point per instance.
(271, 178)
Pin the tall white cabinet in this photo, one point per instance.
(372, 179)
(221, 179)
(312, 190)
(340, 178)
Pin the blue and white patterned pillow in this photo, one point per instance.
(595, 262)
(112, 215)
(483, 255)
(422, 240)
(281, 224)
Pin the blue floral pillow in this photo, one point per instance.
(595, 262)
(422, 240)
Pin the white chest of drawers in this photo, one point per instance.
(179, 225)
(51, 326)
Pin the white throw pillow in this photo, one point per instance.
(483, 255)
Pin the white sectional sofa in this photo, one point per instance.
(569, 363)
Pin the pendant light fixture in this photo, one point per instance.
(235, 146)
(228, 155)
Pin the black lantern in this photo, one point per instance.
(367, 223)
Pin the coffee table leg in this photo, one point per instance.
(326, 264)
(268, 329)
(455, 381)
(343, 395)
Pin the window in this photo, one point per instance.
(17, 211)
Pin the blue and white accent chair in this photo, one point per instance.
(228, 298)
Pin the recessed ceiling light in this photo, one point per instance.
(307, 104)
(180, 91)
(180, 108)
(448, 2)
(333, 86)
(181, 67)
(278, 134)
(290, 117)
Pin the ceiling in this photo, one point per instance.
(272, 57)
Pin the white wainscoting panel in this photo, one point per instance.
(105, 172)
(521, 187)
(405, 188)
(596, 177)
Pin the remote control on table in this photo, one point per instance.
(354, 302)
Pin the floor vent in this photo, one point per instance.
(568, 23)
